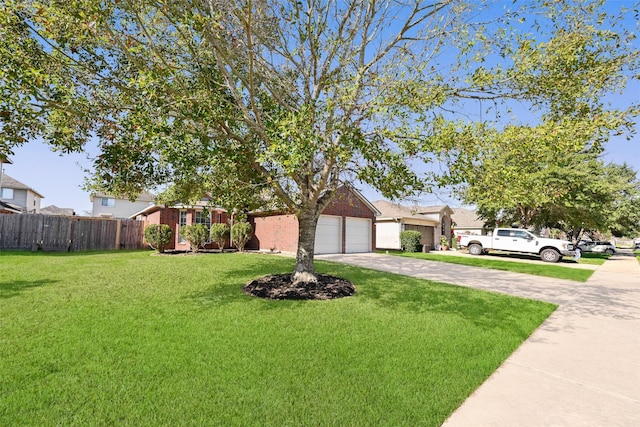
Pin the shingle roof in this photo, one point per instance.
(466, 218)
(9, 207)
(8, 182)
(54, 210)
(394, 210)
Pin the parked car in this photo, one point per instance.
(517, 240)
(598, 247)
(636, 244)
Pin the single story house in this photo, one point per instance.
(432, 222)
(347, 225)
(467, 222)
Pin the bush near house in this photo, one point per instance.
(219, 234)
(410, 240)
(158, 236)
(241, 233)
(196, 234)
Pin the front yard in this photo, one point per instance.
(128, 338)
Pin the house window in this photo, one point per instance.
(182, 221)
(7, 193)
(108, 201)
(203, 218)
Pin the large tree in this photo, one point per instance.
(288, 100)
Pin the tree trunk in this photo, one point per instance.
(304, 270)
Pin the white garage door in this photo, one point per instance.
(328, 235)
(357, 235)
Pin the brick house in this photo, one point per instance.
(179, 215)
(346, 225)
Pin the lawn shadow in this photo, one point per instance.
(16, 287)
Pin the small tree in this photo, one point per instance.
(195, 234)
(158, 236)
(241, 233)
(219, 234)
(410, 240)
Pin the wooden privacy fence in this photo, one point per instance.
(69, 233)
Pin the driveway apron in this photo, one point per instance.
(580, 368)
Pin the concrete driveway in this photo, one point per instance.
(580, 368)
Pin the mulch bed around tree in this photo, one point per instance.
(279, 286)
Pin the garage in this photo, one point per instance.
(357, 235)
(328, 235)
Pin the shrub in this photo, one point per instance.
(219, 234)
(410, 240)
(158, 236)
(196, 234)
(241, 233)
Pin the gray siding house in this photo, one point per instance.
(107, 206)
(19, 196)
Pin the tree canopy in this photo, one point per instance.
(286, 101)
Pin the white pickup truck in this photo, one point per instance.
(517, 240)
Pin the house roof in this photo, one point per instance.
(8, 182)
(204, 203)
(197, 206)
(390, 210)
(466, 218)
(11, 208)
(433, 209)
(54, 210)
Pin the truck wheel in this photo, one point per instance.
(475, 249)
(609, 252)
(550, 255)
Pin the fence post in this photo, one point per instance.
(39, 233)
(118, 230)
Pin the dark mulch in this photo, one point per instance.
(280, 287)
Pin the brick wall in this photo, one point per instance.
(278, 232)
(346, 203)
(171, 217)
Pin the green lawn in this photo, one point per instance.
(489, 261)
(132, 339)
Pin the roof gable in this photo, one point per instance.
(395, 210)
(9, 182)
(466, 218)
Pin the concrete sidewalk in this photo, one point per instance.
(580, 368)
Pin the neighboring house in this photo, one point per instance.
(467, 222)
(106, 206)
(54, 210)
(431, 221)
(18, 196)
(347, 225)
